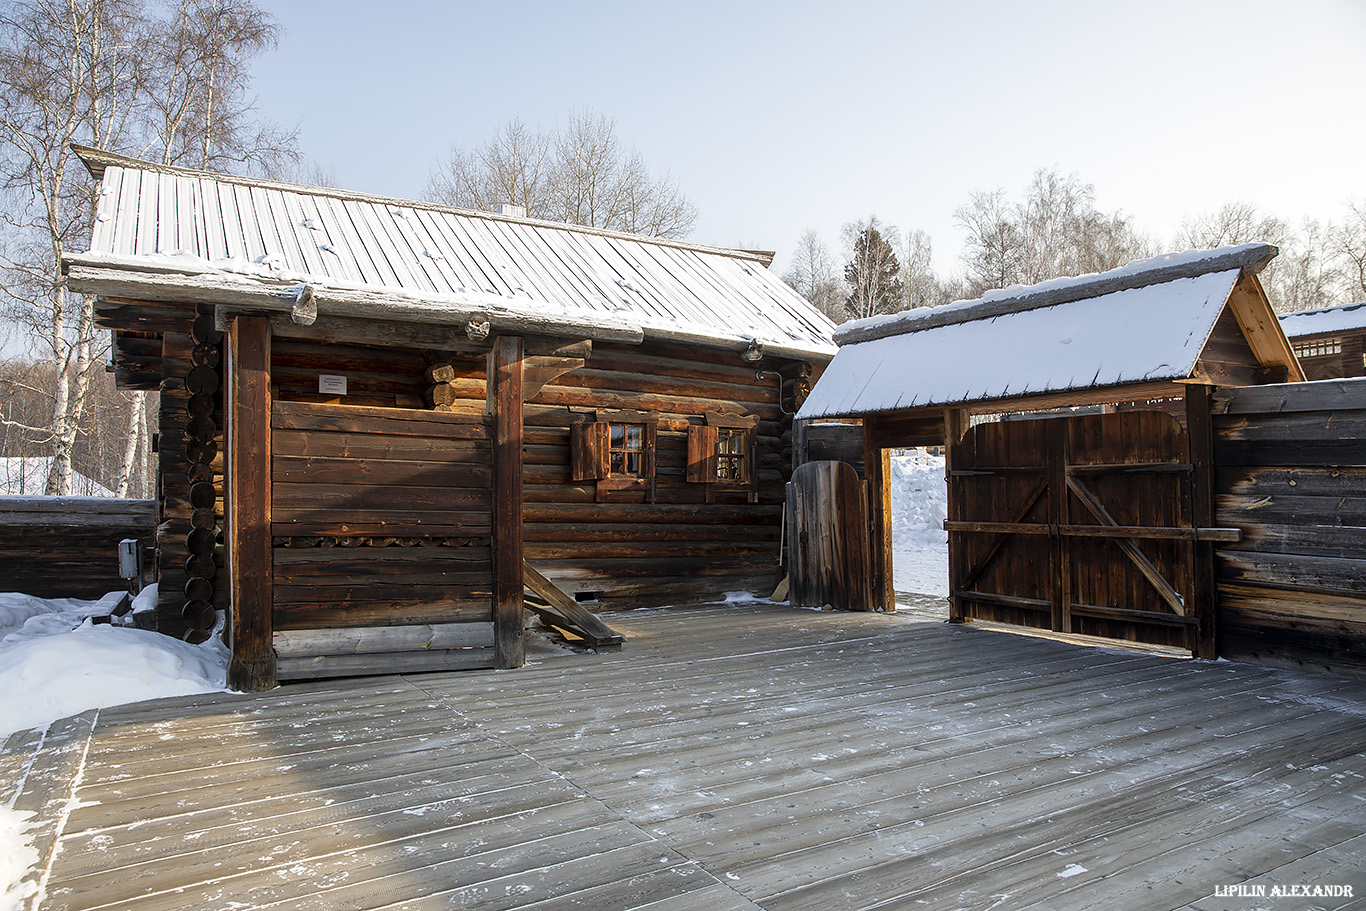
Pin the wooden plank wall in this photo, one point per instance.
(625, 552)
(67, 547)
(381, 520)
(1290, 471)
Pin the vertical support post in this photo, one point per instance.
(506, 370)
(956, 422)
(876, 470)
(1057, 456)
(251, 669)
(1204, 600)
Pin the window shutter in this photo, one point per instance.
(752, 463)
(701, 454)
(647, 455)
(588, 451)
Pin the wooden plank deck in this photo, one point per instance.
(732, 757)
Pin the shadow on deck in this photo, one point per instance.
(731, 757)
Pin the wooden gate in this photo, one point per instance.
(1083, 525)
(827, 527)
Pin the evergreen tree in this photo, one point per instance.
(873, 276)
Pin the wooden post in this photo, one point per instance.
(251, 669)
(506, 370)
(1057, 456)
(876, 470)
(956, 421)
(1204, 603)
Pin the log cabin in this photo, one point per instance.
(1330, 342)
(380, 418)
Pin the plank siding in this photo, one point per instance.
(382, 525)
(1291, 473)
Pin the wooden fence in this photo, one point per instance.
(1291, 473)
(67, 547)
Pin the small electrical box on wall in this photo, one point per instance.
(331, 385)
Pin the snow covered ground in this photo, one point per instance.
(920, 546)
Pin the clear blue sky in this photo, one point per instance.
(775, 117)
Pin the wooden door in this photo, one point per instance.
(828, 543)
(1081, 525)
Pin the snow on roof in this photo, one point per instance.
(173, 220)
(1151, 332)
(1017, 298)
(1328, 319)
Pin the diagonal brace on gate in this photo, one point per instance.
(1002, 537)
(1130, 547)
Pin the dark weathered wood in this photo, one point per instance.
(564, 612)
(1200, 439)
(251, 667)
(506, 361)
(878, 492)
(828, 548)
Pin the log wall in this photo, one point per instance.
(615, 549)
(1291, 473)
(67, 547)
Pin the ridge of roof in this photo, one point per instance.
(1251, 258)
(97, 160)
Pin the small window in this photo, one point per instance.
(721, 453)
(1321, 348)
(731, 455)
(617, 451)
(626, 450)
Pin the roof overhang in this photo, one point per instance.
(137, 279)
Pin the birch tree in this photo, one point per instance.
(582, 173)
(168, 83)
(813, 276)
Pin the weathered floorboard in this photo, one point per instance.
(735, 757)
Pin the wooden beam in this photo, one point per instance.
(1200, 437)
(566, 613)
(542, 369)
(955, 423)
(251, 668)
(1261, 328)
(877, 472)
(505, 396)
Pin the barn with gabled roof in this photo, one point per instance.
(381, 419)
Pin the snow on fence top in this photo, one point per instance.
(236, 236)
(1147, 321)
(1328, 319)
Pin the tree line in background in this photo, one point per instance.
(1054, 229)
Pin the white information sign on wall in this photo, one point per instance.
(331, 385)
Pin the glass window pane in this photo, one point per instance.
(617, 434)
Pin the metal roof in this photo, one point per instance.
(160, 219)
